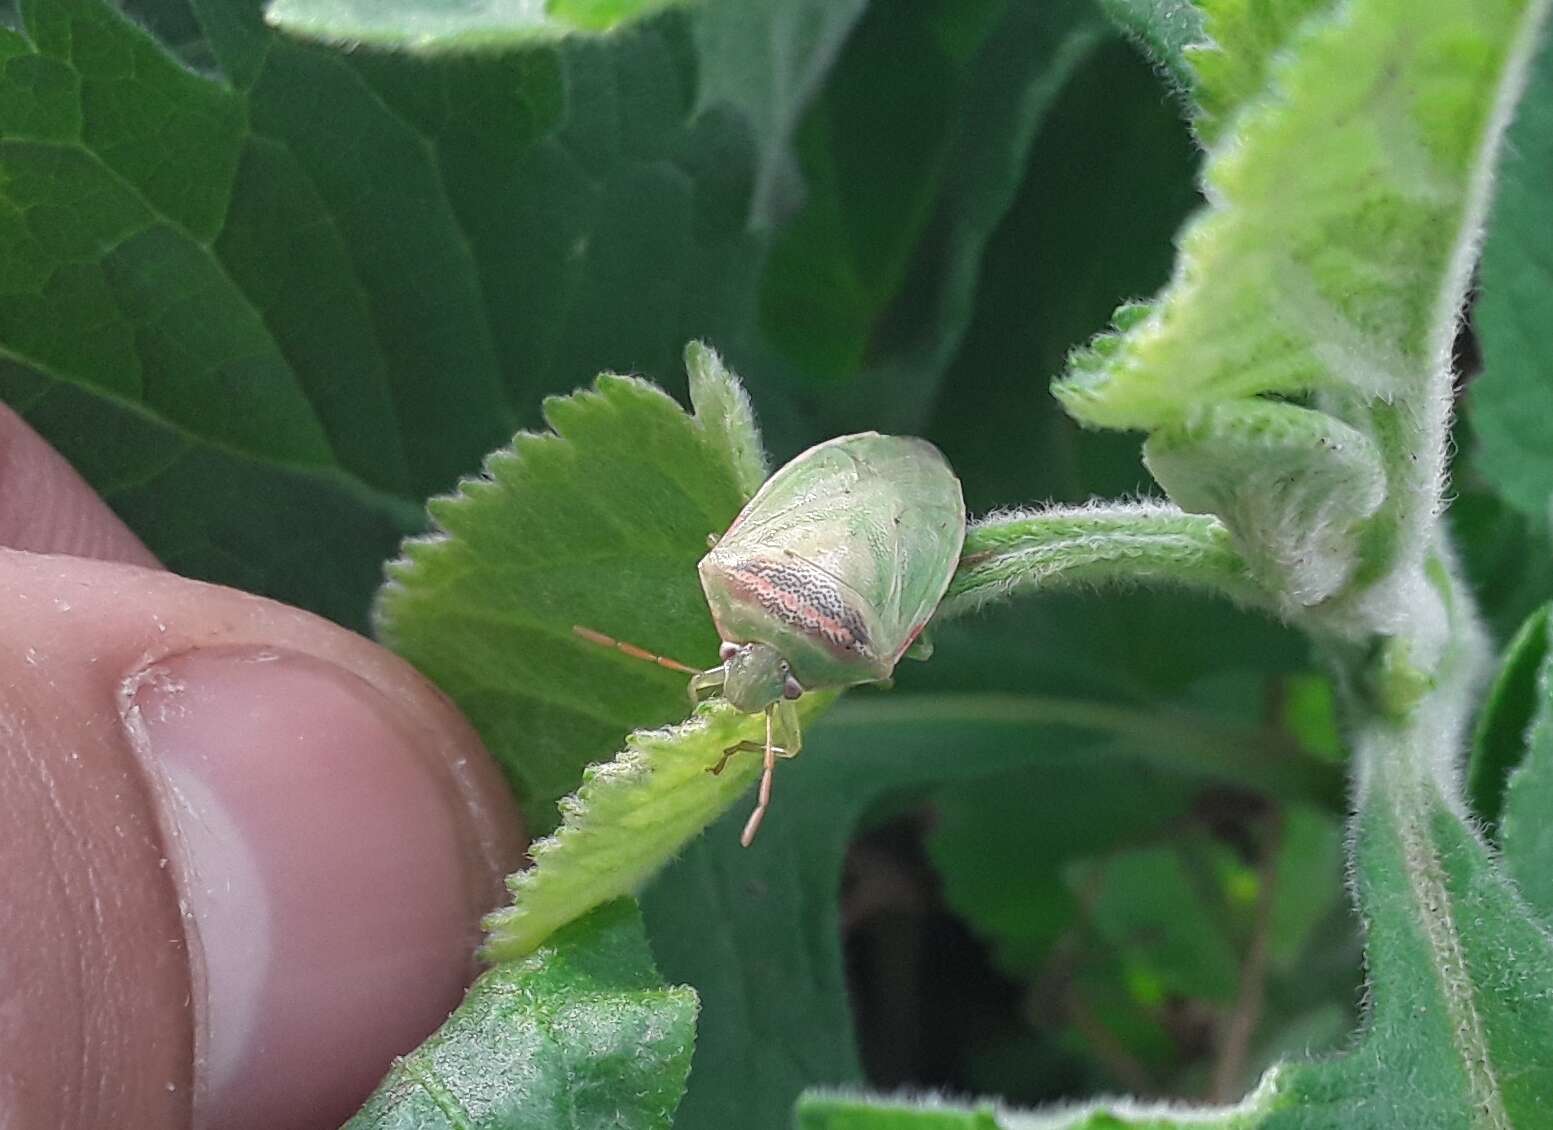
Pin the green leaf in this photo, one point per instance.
(723, 410)
(335, 539)
(343, 308)
(1148, 908)
(1505, 553)
(1111, 180)
(599, 524)
(339, 308)
(1292, 485)
(842, 1112)
(1511, 403)
(1504, 724)
(756, 931)
(873, 276)
(429, 25)
(1526, 822)
(630, 817)
(580, 1035)
(1460, 975)
(1002, 850)
(1238, 56)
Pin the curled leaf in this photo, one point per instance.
(1294, 487)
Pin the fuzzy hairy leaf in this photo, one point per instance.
(1293, 487)
(1335, 248)
(1061, 547)
(424, 25)
(631, 816)
(580, 1035)
(1242, 40)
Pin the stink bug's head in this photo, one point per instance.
(756, 676)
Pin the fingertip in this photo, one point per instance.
(47, 507)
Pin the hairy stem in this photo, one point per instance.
(1117, 543)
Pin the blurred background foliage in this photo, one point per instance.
(269, 296)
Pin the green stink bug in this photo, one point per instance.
(824, 580)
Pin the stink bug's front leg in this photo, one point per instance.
(781, 714)
(747, 837)
(706, 684)
(788, 731)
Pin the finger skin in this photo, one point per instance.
(46, 507)
(97, 1005)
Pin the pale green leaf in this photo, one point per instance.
(1294, 487)
(630, 817)
(724, 412)
(453, 25)
(1237, 60)
(1345, 202)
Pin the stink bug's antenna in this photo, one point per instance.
(632, 650)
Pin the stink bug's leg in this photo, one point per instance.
(632, 650)
(789, 730)
(705, 684)
(742, 747)
(921, 648)
(748, 835)
(785, 728)
(712, 540)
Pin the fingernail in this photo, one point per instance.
(331, 876)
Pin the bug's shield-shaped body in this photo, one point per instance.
(840, 559)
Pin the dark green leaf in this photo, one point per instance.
(873, 278)
(1526, 819)
(756, 931)
(580, 1035)
(1506, 718)
(1002, 849)
(1165, 29)
(1511, 403)
(354, 293)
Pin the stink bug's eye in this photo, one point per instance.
(727, 651)
(791, 689)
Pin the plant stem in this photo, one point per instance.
(1066, 547)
